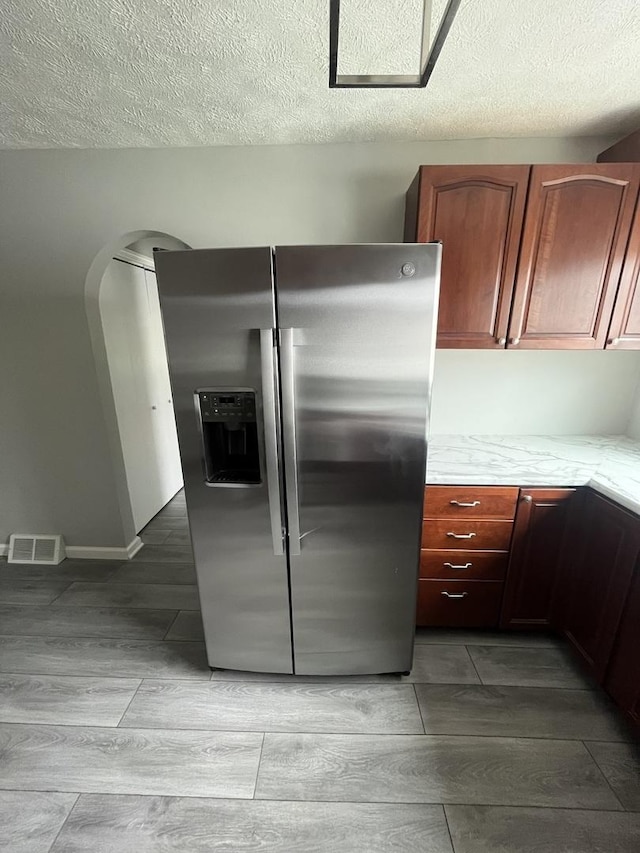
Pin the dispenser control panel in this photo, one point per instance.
(229, 406)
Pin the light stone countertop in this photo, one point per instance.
(610, 464)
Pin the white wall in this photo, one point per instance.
(633, 426)
(484, 392)
(60, 208)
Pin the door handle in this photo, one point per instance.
(461, 535)
(267, 355)
(289, 438)
(454, 594)
(451, 566)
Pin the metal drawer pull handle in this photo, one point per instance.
(451, 566)
(461, 535)
(461, 503)
(455, 594)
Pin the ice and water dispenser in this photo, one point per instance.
(229, 436)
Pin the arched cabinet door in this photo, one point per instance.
(576, 229)
(624, 332)
(476, 212)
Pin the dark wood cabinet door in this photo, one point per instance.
(623, 677)
(624, 332)
(599, 572)
(575, 234)
(477, 213)
(538, 538)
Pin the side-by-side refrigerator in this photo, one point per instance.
(301, 378)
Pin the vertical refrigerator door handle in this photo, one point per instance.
(289, 438)
(271, 437)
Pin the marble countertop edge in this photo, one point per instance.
(609, 464)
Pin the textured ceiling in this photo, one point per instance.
(111, 73)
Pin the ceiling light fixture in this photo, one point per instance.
(428, 57)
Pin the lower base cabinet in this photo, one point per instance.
(540, 533)
(494, 533)
(622, 681)
(562, 559)
(466, 536)
(596, 579)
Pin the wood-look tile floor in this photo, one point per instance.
(116, 736)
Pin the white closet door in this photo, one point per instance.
(158, 371)
(139, 377)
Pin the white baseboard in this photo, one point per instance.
(89, 552)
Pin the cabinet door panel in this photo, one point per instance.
(623, 676)
(538, 538)
(600, 572)
(575, 233)
(477, 212)
(625, 324)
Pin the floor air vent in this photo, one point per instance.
(32, 548)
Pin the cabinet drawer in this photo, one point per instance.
(470, 502)
(459, 604)
(463, 534)
(464, 565)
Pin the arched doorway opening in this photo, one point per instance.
(131, 370)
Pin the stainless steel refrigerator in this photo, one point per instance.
(301, 378)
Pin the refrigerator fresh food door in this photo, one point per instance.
(357, 332)
(218, 313)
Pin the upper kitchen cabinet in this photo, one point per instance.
(624, 332)
(533, 257)
(626, 150)
(477, 213)
(576, 228)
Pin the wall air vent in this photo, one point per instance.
(36, 548)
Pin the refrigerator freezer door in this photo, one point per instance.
(357, 336)
(218, 314)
